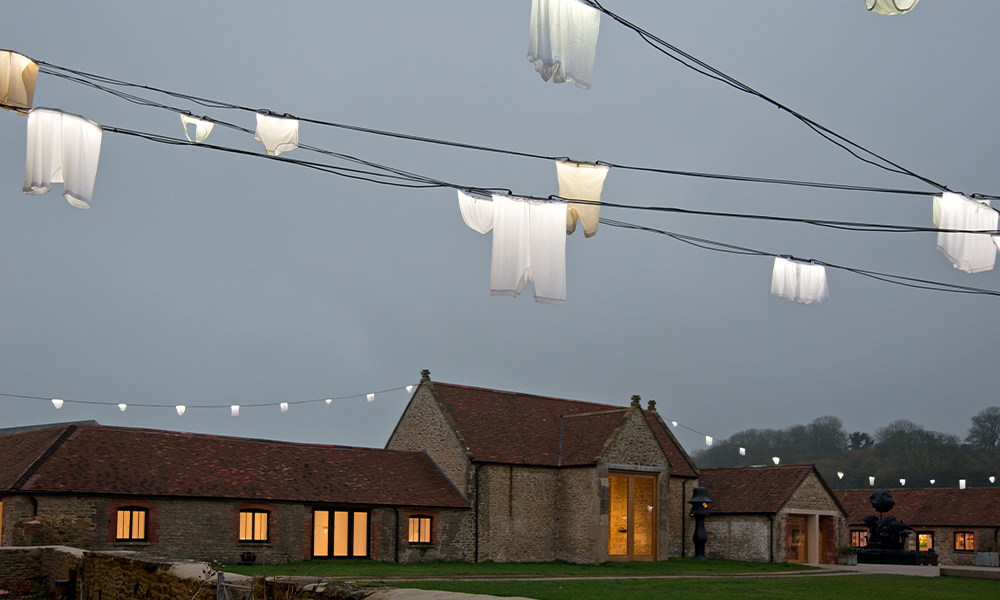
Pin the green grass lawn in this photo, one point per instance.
(377, 569)
(887, 587)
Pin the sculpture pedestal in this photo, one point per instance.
(876, 556)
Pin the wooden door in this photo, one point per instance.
(633, 517)
(798, 539)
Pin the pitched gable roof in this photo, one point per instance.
(23, 449)
(681, 464)
(944, 507)
(149, 462)
(757, 490)
(525, 429)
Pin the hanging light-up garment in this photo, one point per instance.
(477, 212)
(970, 252)
(62, 148)
(18, 74)
(562, 40)
(890, 7)
(529, 242)
(202, 128)
(278, 134)
(803, 282)
(580, 181)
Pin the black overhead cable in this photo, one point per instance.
(704, 68)
(94, 81)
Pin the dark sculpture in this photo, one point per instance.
(887, 537)
(699, 510)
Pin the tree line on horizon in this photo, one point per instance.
(900, 450)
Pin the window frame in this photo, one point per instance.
(430, 530)
(351, 511)
(253, 526)
(860, 533)
(145, 523)
(968, 538)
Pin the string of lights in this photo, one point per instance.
(96, 81)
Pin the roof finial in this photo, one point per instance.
(425, 375)
(636, 401)
(652, 405)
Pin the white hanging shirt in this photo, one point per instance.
(18, 74)
(476, 212)
(202, 128)
(890, 7)
(62, 148)
(278, 134)
(580, 181)
(562, 40)
(970, 252)
(529, 242)
(803, 282)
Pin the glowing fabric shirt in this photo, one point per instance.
(278, 134)
(476, 212)
(529, 243)
(970, 252)
(581, 182)
(62, 148)
(18, 74)
(802, 282)
(202, 128)
(562, 40)
(890, 7)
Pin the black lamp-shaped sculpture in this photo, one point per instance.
(699, 510)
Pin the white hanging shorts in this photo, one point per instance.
(529, 243)
(278, 134)
(62, 148)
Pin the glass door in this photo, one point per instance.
(798, 539)
(340, 534)
(632, 517)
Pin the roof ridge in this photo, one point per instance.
(47, 454)
(525, 394)
(595, 414)
(758, 467)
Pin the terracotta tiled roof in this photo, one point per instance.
(21, 449)
(149, 462)
(523, 429)
(944, 507)
(752, 489)
(681, 464)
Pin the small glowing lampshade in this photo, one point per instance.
(743, 451)
(961, 484)
(871, 480)
(674, 423)
(122, 407)
(840, 474)
(993, 479)
(235, 410)
(56, 402)
(284, 407)
(932, 481)
(708, 440)
(371, 397)
(180, 409)
(776, 460)
(329, 401)
(409, 389)
(902, 482)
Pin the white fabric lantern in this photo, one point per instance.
(409, 389)
(708, 440)
(371, 397)
(674, 423)
(961, 484)
(180, 409)
(890, 7)
(581, 181)
(284, 407)
(993, 479)
(56, 402)
(329, 401)
(970, 252)
(932, 481)
(18, 74)
(122, 407)
(235, 410)
(776, 460)
(803, 282)
(562, 40)
(201, 128)
(871, 480)
(743, 451)
(902, 482)
(840, 474)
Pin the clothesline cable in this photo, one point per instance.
(198, 406)
(85, 78)
(715, 246)
(699, 66)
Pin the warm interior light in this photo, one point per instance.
(122, 407)
(56, 402)
(180, 409)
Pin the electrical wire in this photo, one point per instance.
(95, 81)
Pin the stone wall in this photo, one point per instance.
(738, 537)
(579, 516)
(424, 426)
(812, 495)
(452, 535)
(681, 524)
(518, 513)
(944, 541)
(44, 565)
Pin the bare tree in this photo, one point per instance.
(985, 431)
(859, 440)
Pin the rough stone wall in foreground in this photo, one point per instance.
(737, 537)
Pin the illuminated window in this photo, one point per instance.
(420, 530)
(925, 542)
(859, 539)
(340, 533)
(131, 524)
(965, 542)
(253, 526)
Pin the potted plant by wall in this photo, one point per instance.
(987, 556)
(847, 555)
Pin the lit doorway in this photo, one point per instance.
(340, 534)
(633, 517)
(798, 539)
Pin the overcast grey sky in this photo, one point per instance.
(207, 278)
